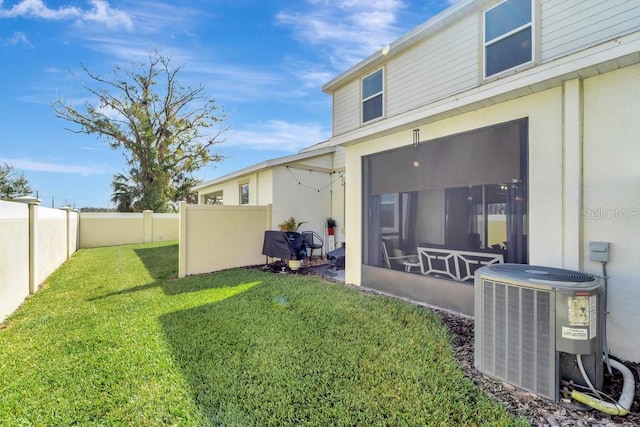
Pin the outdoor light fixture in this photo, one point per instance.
(416, 145)
(416, 138)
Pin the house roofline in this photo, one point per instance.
(607, 56)
(423, 31)
(303, 155)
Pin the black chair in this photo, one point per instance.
(313, 241)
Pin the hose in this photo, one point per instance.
(623, 405)
(585, 376)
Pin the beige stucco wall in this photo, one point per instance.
(611, 209)
(309, 201)
(260, 189)
(311, 195)
(337, 207)
(584, 183)
(14, 256)
(164, 227)
(544, 110)
(111, 229)
(214, 238)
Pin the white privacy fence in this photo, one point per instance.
(35, 241)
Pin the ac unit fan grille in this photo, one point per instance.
(522, 271)
(517, 337)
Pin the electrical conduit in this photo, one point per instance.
(623, 405)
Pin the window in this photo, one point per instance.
(459, 201)
(389, 212)
(372, 88)
(214, 198)
(508, 36)
(244, 194)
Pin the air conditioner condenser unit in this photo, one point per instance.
(532, 321)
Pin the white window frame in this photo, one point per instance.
(506, 35)
(240, 190)
(363, 99)
(393, 200)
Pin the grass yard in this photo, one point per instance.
(115, 339)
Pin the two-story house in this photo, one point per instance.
(502, 131)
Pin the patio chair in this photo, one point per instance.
(398, 260)
(313, 241)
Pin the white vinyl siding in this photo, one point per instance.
(569, 26)
(346, 111)
(434, 69)
(450, 61)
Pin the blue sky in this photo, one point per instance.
(263, 61)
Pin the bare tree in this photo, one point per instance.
(165, 130)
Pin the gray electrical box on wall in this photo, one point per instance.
(599, 251)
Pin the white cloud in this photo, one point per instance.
(349, 30)
(99, 12)
(18, 38)
(103, 13)
(37, 9)
(31, 165)
(278, 135)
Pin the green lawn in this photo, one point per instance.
(115, 339)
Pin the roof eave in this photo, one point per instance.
(418, 34)
(266, 165)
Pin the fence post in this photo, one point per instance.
(147, 219)
(77, 227)
(182, 239)
(68, 209)
(33, 202)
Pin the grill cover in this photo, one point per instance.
(280, 244)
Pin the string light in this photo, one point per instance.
(340, 175)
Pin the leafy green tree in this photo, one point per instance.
(126, 194)
(165, 130)
(181, 187)
(12, 184)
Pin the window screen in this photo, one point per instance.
(462, 197)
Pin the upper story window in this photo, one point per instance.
(508, 36)
(244, 194)
(372, 91)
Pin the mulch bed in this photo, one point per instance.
(307, 266)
